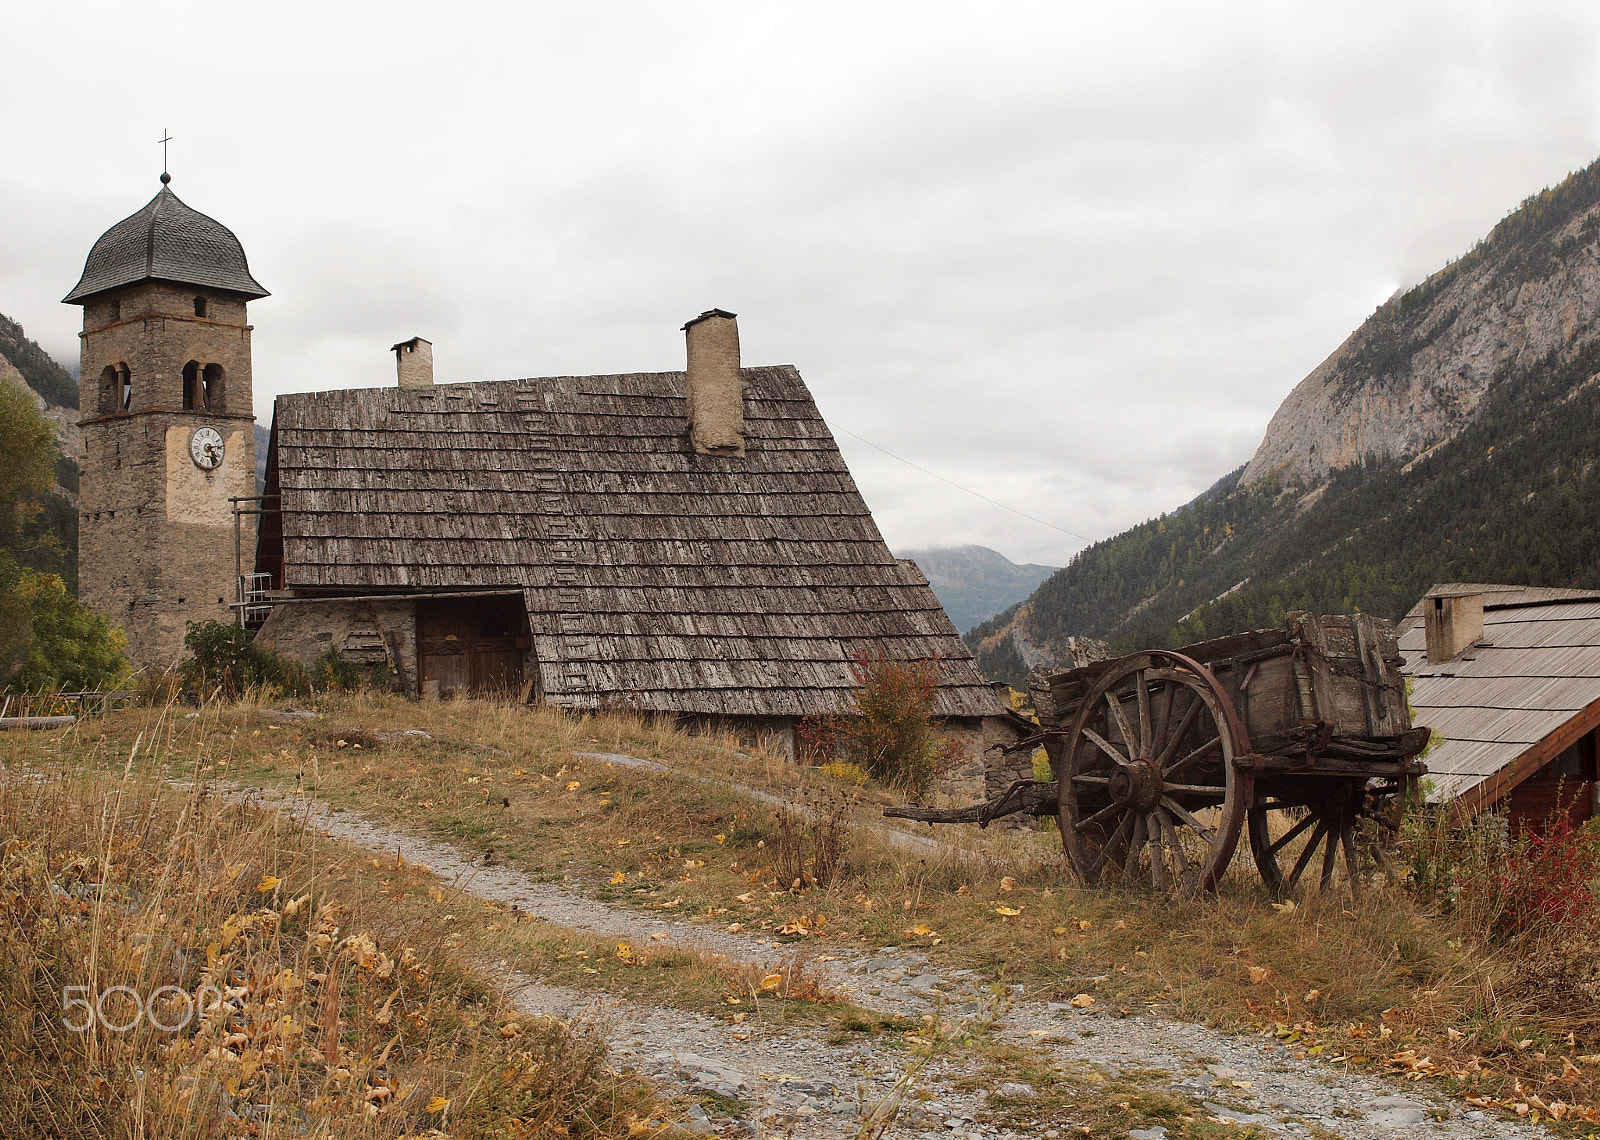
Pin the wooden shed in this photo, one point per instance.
(1509, 677)
(578, 539)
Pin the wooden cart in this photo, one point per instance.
(1164, 757)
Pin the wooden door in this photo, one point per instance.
(471, 645)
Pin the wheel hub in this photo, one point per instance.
(1136, 785)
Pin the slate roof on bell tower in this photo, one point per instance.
(167, 241)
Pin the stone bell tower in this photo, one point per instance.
(168, 428)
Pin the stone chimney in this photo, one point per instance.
(716, 393)
(1453, 621)
(414, 361)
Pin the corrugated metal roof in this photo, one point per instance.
(654, 576)
(1536, 667)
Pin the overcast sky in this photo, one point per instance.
(1070, 256)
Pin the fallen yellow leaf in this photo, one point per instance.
(735, 927)
(437, 1104)
(1009, 912)
(618, 879)
(771, 982)
(268, 883)
(1008, 882)
(1082, 1001)
(722, 839)
(573, 785)
(920, 930)
(1084, 924)
(1059, 930)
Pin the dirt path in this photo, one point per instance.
(793, 1081)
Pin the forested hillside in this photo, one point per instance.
(46, 541)
(38, 368)
(1511, 495)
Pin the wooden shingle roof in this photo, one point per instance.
(1510, 702)
(653, 576)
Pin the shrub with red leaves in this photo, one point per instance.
(887, 730)
(1546, 881)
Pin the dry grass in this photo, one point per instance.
(301, 991)
(1364, 985)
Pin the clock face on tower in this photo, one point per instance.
(205, 448)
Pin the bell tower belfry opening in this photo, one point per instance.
(168, 428)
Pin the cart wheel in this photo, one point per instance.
(1320, 817)
(1149, 785)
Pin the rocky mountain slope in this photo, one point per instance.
(973, 583)
(1452, 437)
(1418, 369)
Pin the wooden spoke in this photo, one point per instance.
(1176, 739)
(1195, 755)
(1170, 691)
(1165, 821)
(1347, 839)
(1142, 700)
(1104, 745)
(1117, 837)
(1102, 781)
(1196, 789)
(1141, 833)
(1158, 875)
(1330, 856)
(1114, 704)
(1305, 856)
(1294, 831)
(1085, 825)
(1194, 824)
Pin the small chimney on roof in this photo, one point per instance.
(414, 362)
(716, 392)
(1453, 622)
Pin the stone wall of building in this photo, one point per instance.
(368, 632)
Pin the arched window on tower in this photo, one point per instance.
(199, 306)
(211, 387)
(193, 395)
(116, 389)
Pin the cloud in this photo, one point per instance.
(1069, 256)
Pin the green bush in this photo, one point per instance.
(51, 643)
(225, 656)
(334, 671)
(74, 649)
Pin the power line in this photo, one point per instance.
(975, 494)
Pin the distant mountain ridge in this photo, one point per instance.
(973, 583)
(1454, 436)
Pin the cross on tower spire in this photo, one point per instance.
(165, 138)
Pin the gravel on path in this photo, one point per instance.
(792, 1080)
